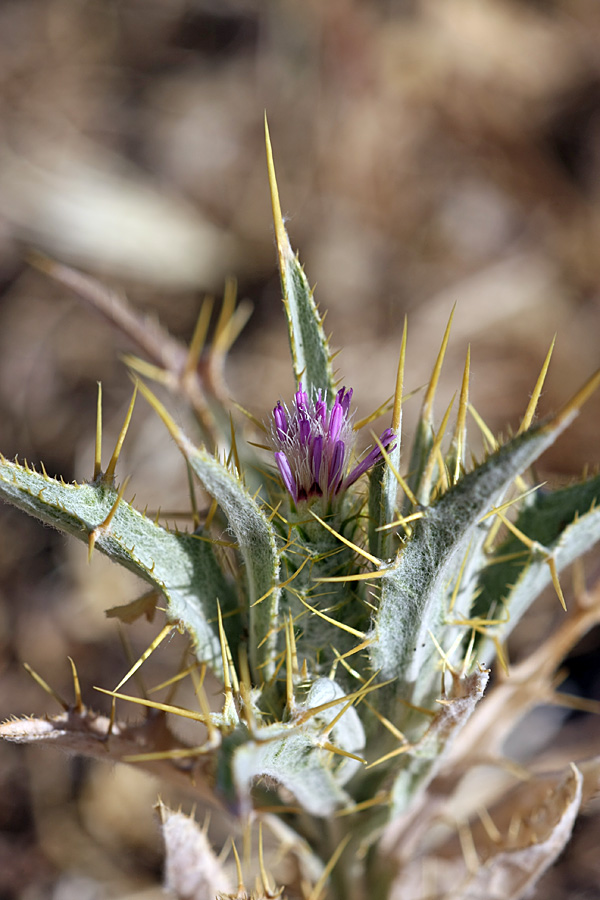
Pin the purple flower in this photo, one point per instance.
(313, 444)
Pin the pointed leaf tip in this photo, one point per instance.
(311, 358)
(280, 232)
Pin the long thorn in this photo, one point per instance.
(234, 449)
(46, 687)
(405, 487)
(228, 707)
(112, 718)
(460, 435)
(399, 751)
(289, 674)
(79, 705)
(427, 410)
(147, 652)
(221, 339)
(355, 547)
(381, 409)
(153, 704)
(332, 748)
(317, 890)
(572, 407)
(424, 486)
(530, 543)
(98, 447)
(342, 625)
(141, 367)
(110, 471)
(233, 329)
(386, 722)
(261, 863)
(397, 410)
(175, 678)
(213, 733)
(485, 431)
(533, 402)
(283, 584)
(356, 695)
(198, 338)
(160, 409)
(280, 234)
(246, 689)
(509, 503)
(241, 887)
(383, 797)
(555, 581)
(443, 655)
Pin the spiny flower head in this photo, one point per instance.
(313, 444)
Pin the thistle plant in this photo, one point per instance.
(350, 615)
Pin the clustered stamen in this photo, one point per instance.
(313, 445)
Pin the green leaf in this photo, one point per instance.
(255, 536)
(293, 760)
(416, 589)
(565, 523)
(293, 755)
(182, 566)
(311, 358)
(257, 544)
(347, 732)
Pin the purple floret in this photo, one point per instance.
(313, 445)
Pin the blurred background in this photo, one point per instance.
(428, 152)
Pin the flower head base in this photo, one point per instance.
(313, 445)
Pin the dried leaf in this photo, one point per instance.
(86, 733)
(503, 858)
(424, 759)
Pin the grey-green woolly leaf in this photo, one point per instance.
(419, 766)
(291, 753)
(294, 760)
(415, 591)
(310, 352)
(565, 523)
(256, 539)
(192, 870)
(182, 566)
(347, 733)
